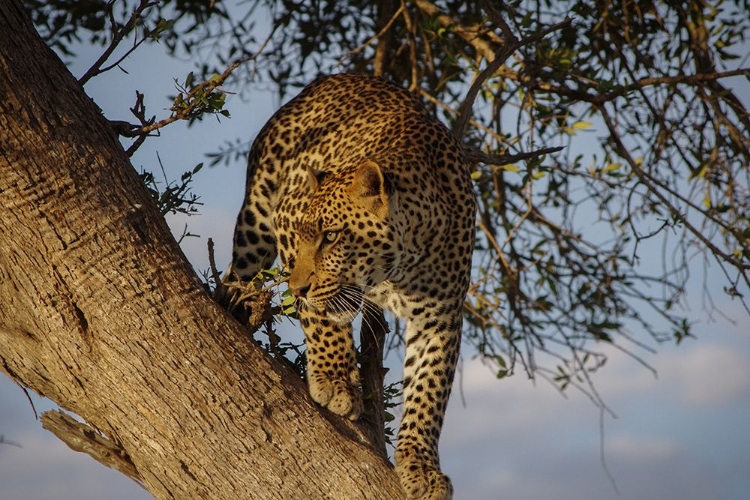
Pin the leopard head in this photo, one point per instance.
(347, 242)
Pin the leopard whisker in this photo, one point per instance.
(367, 304)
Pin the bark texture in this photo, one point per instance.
(100, 312)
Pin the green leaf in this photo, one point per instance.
(501, 362)
(270, 273)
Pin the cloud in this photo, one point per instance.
(641, 448)
(677, 435)
(707, 375)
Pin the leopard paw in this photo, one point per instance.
(421, 483)
(339, 396)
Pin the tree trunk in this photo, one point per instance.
(100, 312)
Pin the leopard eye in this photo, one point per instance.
(330, 237)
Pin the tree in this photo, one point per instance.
(102, 314)
(671, 163)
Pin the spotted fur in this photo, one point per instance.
(367, 199)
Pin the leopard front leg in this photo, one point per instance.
(332, 373)
(432, 345)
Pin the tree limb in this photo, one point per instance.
(81, 437)
(372, 343)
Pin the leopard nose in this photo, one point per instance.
(301, 291)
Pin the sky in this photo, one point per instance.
(682, 434)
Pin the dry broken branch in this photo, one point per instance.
(84, 438)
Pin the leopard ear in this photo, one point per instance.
(315, 178)
(372, 189)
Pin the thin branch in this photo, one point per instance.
(673, 80)
(410, 29)
(192, 110)
(474, 155)
(117, 37)
(511, 46)
(585, 96)
(373, 38)
(469, 35)
(196, 107)
(648, 181)
(497, 18)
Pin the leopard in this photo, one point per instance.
(367, 198)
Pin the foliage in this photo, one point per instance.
(392, 394)
(175, 197)
(590, 245)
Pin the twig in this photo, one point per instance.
(117, 37)
(212, 262)
(8, 442)
(650, 182)
(195, 108)
(602, 454)
(470, 36)
(373, 38)
(474, 155)
(28, 398)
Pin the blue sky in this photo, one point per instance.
(682, 435)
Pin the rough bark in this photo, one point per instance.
(100, 312)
